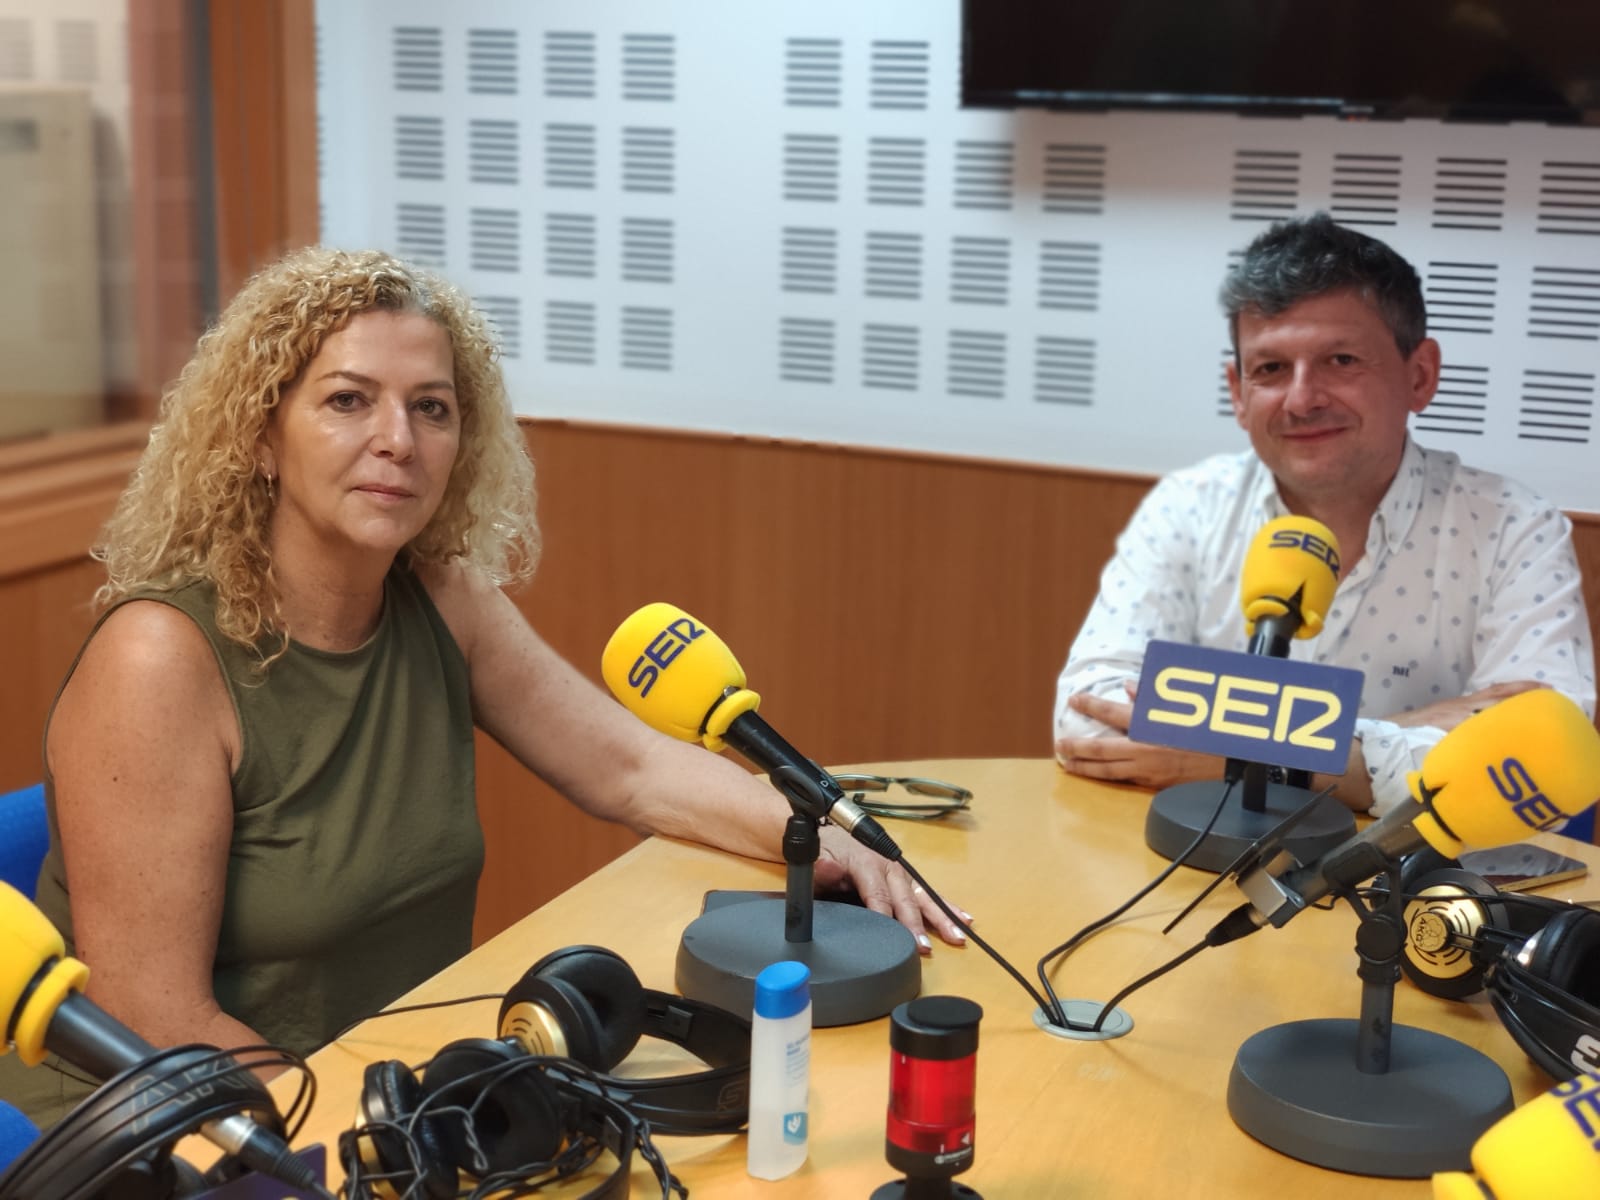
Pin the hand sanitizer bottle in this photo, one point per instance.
(780, 1071)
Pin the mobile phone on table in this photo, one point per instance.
(1522, 866)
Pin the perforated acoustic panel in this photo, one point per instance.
(778, 221)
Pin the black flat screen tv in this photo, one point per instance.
(1491, 60)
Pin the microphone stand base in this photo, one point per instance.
(1295, 1087)
(924, 1189)
(1177, 815)
(862, 963)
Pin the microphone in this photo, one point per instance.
(1523, 765)
(680, 678)
(44, 1012)
(1286, 584)
(1549, 1149)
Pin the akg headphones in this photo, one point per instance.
(1538, 958)
(496, 1107)
(118, 1142)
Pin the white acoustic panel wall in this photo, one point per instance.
(776, 220)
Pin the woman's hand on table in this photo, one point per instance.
(884, 887)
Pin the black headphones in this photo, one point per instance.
(1538, 958)
(539, 1095)
(118, 1142)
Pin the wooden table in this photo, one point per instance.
(1039, 855)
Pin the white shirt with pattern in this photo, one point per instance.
(1468, 579)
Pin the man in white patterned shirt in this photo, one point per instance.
(1457, 587)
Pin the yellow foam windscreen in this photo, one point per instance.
(1457, 1185)
(32, 955)
(675, 675)
(1507, 772)
(1549, 1149)
(1289, 555)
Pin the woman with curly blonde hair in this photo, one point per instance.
(198, 506)
(260, 767)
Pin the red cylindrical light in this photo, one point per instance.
(933, 1062)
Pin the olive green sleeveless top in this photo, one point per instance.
(353, 869)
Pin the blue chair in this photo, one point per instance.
(24, 837)
(17, 1133)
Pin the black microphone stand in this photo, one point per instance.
(1271, 640)
(801, 846)
(1368, 1096)
(862, 963)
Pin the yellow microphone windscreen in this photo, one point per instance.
(1289, 555)
(1546, 1150)
(670, 671)
(27, 941)
(1457, 1185)
(1507, 772)
(35, 974)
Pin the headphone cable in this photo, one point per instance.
(1058, 1015)
(1052, 1007)
(585, 1149)
(410, 1008)
(1211, 938)
(1110, 1005)
(974, 936)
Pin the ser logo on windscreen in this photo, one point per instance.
(1309, 543)
(658, 655)
(1528, 802)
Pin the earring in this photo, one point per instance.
(272, 490)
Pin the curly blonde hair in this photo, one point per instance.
(197, 508)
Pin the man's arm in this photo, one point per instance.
(1156, 586)
(1532, 630)
(1149, 589)
(1533, 623)
(1393, 748)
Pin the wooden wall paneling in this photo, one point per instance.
(45, 615)
(264, 137)
(19, 699)
(537, 844)
(885, 605)
(169, 197)
(870, 595)
(298, 136)
(55, 493)
(1586, 541)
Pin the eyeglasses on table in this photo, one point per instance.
(936, 798)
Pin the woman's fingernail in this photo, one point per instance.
(965, 915)
(922, 940)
